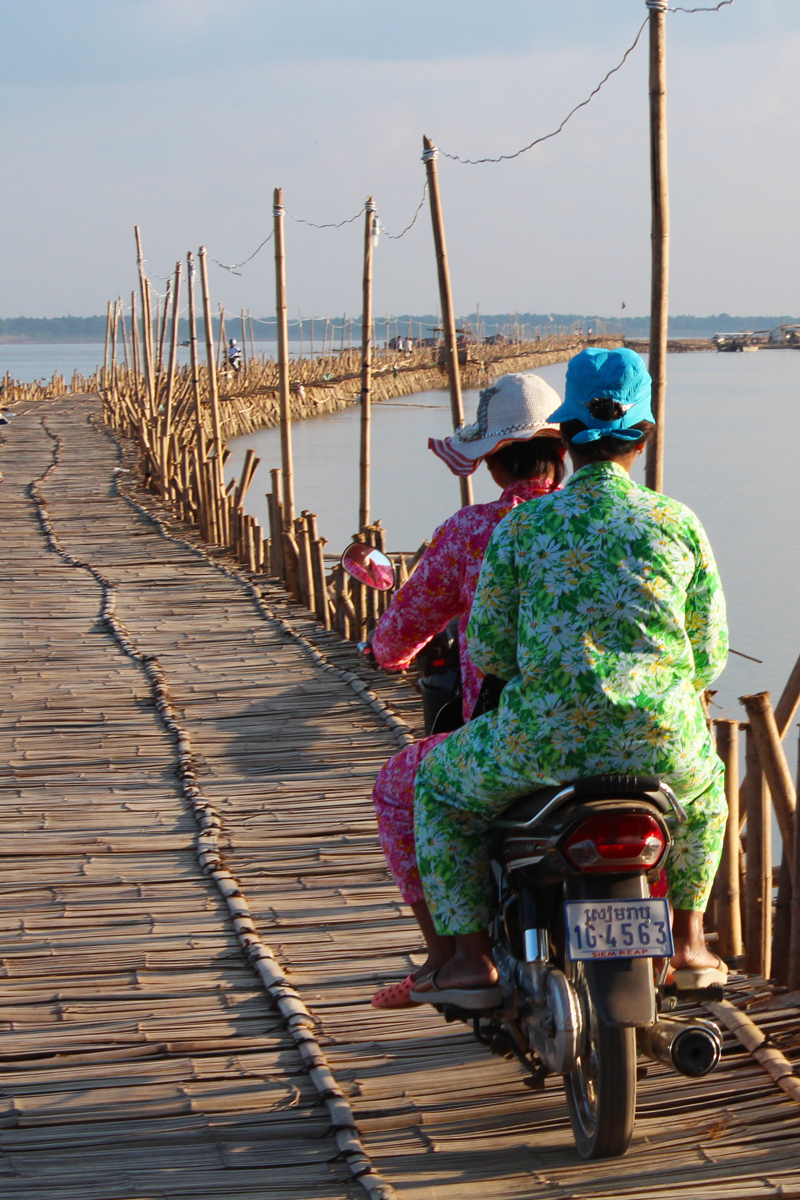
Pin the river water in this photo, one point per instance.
(732, 436)
(732, 433)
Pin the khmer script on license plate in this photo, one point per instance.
(618, 929)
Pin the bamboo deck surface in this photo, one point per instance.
(139, 1057)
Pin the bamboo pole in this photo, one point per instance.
(213, 391)
(429, 156)
(245, 356)
(107, 347)
(173, 351)
(114, 333)
(728, 899)
(659, 235)
(135, 348)
(252, 337)
(366, 365)
(200, 442)
(773, 764)
(785, 710)
(162, 335)
(147, 347)
(278, 213)
(793, 971)
(758, 925)
(222, 339)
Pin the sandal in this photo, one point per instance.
(427, 991)
(689, 979)
(394, 996)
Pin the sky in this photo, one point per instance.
(183, 115)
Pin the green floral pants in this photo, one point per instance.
(457, 797)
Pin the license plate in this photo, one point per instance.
(618, 929)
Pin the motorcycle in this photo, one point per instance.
(582, 949)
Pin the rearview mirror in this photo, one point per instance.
(369, 566)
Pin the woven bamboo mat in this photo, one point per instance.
(139, 1057)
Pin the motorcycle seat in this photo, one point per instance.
(596, 787)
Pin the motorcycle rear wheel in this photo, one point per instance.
(601, 1087)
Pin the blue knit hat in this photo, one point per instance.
(597, 374)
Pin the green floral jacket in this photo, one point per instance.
(602, 606)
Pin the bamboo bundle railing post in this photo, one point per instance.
(291, 564)
(276, 523)
(729, 913)
(278, 213)
(773, 764)
(304, 571)
(429, 157)
(659, 235)
(758, 886)
(317, 546)
(213, 395)
(366, 365)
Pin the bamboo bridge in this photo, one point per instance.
(196, 911)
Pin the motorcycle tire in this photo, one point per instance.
(601, 1088)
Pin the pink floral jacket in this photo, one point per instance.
(443, 585)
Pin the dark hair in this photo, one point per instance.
(607, 447)
(529, 458)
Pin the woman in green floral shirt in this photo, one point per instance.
(602, 607)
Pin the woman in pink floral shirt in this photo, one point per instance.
(525, 458)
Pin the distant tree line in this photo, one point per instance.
(93, 329)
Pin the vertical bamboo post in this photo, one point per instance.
(278, 213)
(108, 344)
(213, 390)
(147, 345)
(366, 365)
(126, 356)
(200, 448)
(729, 907)
(163, 331)
(114, 331)
(173, 350)
(429, 156)
(221, 348)
(245, 356)
(135, 350)
(773, 764)
(276, 524)
(659, 234)
(793, 972)
(758, 930)
(785, 710)
(252, 337)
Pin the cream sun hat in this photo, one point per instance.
(515, 408)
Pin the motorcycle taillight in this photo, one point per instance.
(615, 842)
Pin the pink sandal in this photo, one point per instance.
(394, 996)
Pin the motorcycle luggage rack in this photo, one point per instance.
(644, 787)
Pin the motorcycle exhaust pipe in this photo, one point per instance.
(690, 1049)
